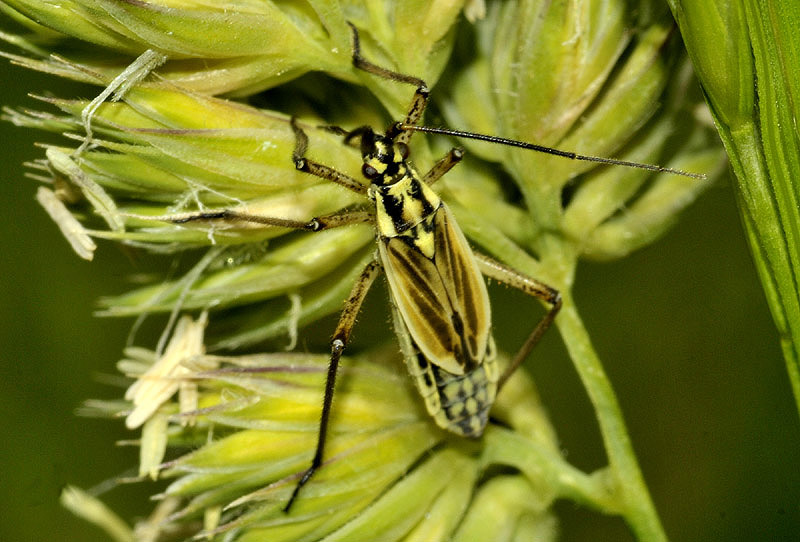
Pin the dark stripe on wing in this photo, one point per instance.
(465, 287)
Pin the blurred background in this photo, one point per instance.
(682, 328)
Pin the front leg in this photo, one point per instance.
(418, 103)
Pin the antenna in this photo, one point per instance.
(547, 150)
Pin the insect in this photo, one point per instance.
(439, 298)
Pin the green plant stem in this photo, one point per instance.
(624, 478)
(549, 469)
(638, 508)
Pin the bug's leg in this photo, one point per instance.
(316, 169)
(418, 103)
(334, 220)
(337, 220)
(340, 339)
(494, 269)
(443, 166)
(334, 129)
(318, 223)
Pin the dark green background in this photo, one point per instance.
(681, 326)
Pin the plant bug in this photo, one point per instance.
(439, 299)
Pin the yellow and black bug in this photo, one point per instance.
(438, 295)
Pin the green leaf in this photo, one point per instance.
(747, 55)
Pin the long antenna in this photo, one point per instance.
(547, 150)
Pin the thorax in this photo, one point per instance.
(406, 207)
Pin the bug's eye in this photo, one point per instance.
(369, 171)
(402, 148)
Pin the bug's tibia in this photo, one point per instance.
(209, 215)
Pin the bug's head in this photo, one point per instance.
(384, 159)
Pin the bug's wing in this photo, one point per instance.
(442, 300)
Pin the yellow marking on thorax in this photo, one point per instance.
(400, 211)
(383, 221)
